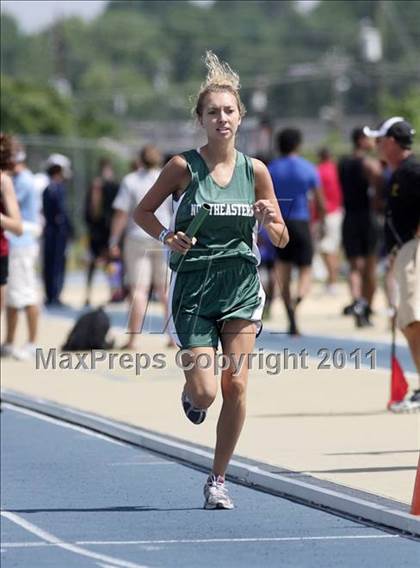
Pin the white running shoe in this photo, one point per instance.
(411, 404)
(6, 350)
(9, 350)
(216, 494)
(29, 349)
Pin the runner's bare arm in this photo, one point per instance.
(320, 203)
(12, 220)
(266, 207)
(374, 173)
(118, 224)
(173, 179)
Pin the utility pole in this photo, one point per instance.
(379, 20)
(59, 79)
(372, 53)
(338, 65)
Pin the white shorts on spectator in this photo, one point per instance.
(22, 286)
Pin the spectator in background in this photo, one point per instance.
(57, 229)
(388, 260)
(10, 219)
(267, 269)
(402, 233)
(294, 179)
(144, 259)
(41, 178)
(329, 243)
(360, 178)
(268, 255)
(22, 288)
(264, 140)
(98, 215)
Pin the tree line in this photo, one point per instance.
(142, 59)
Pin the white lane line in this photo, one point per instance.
(206, 540)
(57, 422)
(145, 463)
(51, 539)
(28, 544)
(245, 539)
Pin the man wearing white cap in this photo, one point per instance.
(59, 160)
(394, 139)
(57, 229)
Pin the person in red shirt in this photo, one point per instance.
(330, 240)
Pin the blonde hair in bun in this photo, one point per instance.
(220, 78)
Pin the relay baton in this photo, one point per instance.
(193, 227)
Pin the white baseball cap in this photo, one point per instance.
(59, 160)
(396, 126)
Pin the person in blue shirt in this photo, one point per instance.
(267, 271)
(294, 180)
(57, 232)
(22, 289)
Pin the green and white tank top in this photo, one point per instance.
(230, 230)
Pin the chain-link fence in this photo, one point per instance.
(256, 138)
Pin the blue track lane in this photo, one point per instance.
(111, 504)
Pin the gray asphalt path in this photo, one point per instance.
(73, 498)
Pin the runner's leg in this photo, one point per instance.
(238, 339)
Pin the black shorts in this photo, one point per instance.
(360, 234)
(4, 269)
(299, 250)
(98, 248)
(268, 264)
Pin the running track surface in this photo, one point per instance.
(73, 498)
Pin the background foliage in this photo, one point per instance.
(142, 60)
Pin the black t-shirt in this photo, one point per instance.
(354, 184)
(102, 219)
(403, 205)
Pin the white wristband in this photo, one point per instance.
(163, 234)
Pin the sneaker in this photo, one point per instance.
(369, 311)
(29, 349)
(6, 350)
(216, 494)
(9, 350)
(331, 289)
(411, 404)
(362, 313)
(196, 415)
(349, 310)
(291, 315)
